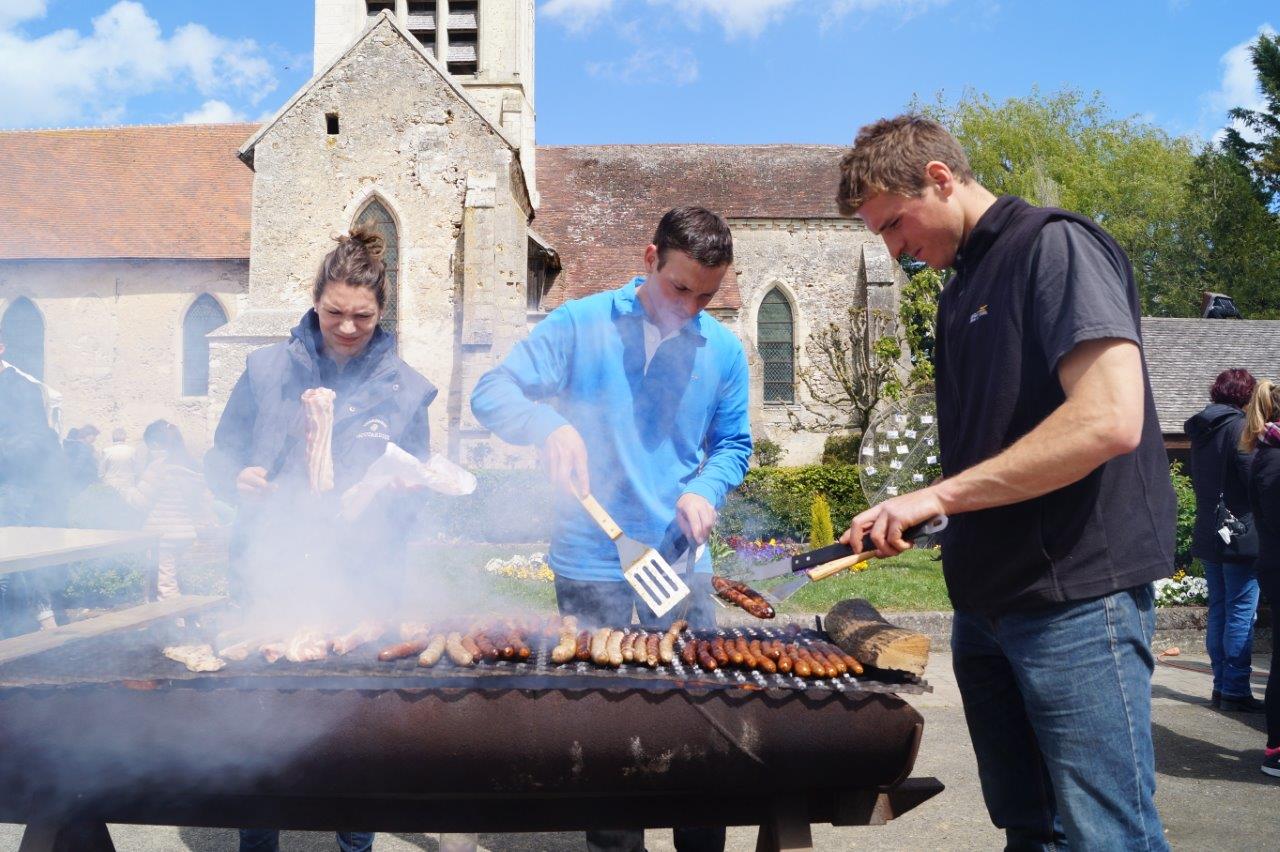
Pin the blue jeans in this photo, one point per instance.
(1058, 704)
(1233, 600)
(268, 840)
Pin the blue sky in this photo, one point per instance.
(731, 71)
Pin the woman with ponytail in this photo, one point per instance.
(297, 562)
(1262, 433)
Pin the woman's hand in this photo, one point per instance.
(251, 483)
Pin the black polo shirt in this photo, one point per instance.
(1031, 283)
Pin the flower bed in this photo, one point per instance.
(520, 567)
(1182, 589)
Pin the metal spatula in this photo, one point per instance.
(643, 567)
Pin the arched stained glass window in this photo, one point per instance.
(376, 216)
(204, 315)
(775, 334)
(22, 329)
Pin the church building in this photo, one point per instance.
(140, 265)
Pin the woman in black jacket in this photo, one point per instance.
(1262, 433)
(1219, 474)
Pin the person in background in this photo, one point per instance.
(81, 459)
(172, 497)
(33, 493)
(1055, 480)
(119, 467)
(1220, 476)
(1261, 436)
(638, 397)
(259, 458)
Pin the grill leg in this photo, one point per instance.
(786, 827)
(66, 837)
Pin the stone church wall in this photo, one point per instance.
(113, 336)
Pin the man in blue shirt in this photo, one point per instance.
(638, 397)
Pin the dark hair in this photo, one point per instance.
(890, 155)
(356, 261)
(1233, 387)
(156, 434)
(697, 232)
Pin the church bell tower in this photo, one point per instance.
(486, 45)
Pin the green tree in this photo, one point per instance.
(1261, 155)
(1066, 150)
(918, 313)
(821, 532)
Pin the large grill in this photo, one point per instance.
(108, 730)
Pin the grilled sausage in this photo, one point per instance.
(678, 626)
(614, 648)
(741, 595)
(628, 647)
(652, 651)
(688, 653)
(563, 652)
(731, 648)
(667, 648)
(458, 652)
(784, 662)
(744, 648)
(469, 642)
(705, 659)
(600, 646)
(404, 649)
(487, 648)
(434, 650)
(718, 651)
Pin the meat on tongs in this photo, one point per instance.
(318, 405)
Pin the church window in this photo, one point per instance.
(331, 125)
(775, 334)
(421, 22)
(377, 7)
(464, 37)
(22, 330)
(377, 217)
(204, 315)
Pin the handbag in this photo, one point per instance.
(1239, 536)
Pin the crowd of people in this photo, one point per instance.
(1056, 478)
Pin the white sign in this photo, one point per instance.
(903, 449)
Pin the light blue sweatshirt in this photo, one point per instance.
(652, 435)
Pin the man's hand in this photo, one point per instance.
(565, 457)
(696, 516)
(252, 483)
(884, 522)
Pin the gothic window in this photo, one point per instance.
(775, 333)
(374, 8)
(376, 216)
(204, 315)
(463, 28)
(22, 330)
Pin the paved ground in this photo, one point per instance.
(1211, 794)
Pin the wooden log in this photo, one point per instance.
(855, 626)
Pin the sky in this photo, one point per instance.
(637, 71)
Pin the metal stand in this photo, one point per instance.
(67, 837)
(786, 826)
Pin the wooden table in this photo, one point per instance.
(34, 548)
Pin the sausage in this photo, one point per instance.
(828, 666)
(614, 648)
(718, 651)
(834, 656)
(705, 659)
(744, 648)
(851, 661)
(766, 665)
(523, 652)
(486, 647)
(458, 653)
(735, 654)
(688, 653)
(434, 650)
(652, 652)
(628, 646)
(743, 596)
(582, 648)
(600, 646)
(563, 652)
(784, 662)
(473, 649)
(678, 626)
(403, 649)
(667, 649)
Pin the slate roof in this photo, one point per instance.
(600, 203)
(1184, 356)
(172, 191)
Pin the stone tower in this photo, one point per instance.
(487, 46)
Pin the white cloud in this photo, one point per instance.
(1238, 86)
(737, 17)
(213, 112)
(675, 66)
(576, 15)
(16, 11)
(67, 76)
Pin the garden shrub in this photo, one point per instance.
(1186, 518)
(767, 452)
(775, 502)
(841, 449)
(820, 532)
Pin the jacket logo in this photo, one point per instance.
(375, 428)
(978, 314)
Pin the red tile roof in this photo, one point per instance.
(173, 191)
(601, 203)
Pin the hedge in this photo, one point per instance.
(775, 502)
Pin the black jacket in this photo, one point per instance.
(1217, 467)
(1264, 498)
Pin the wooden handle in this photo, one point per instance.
(835, 566)
(600, 516)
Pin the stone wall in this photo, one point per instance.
(819, 266)
(409, 137)
(113, 336)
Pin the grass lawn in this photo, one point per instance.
(909, 582)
